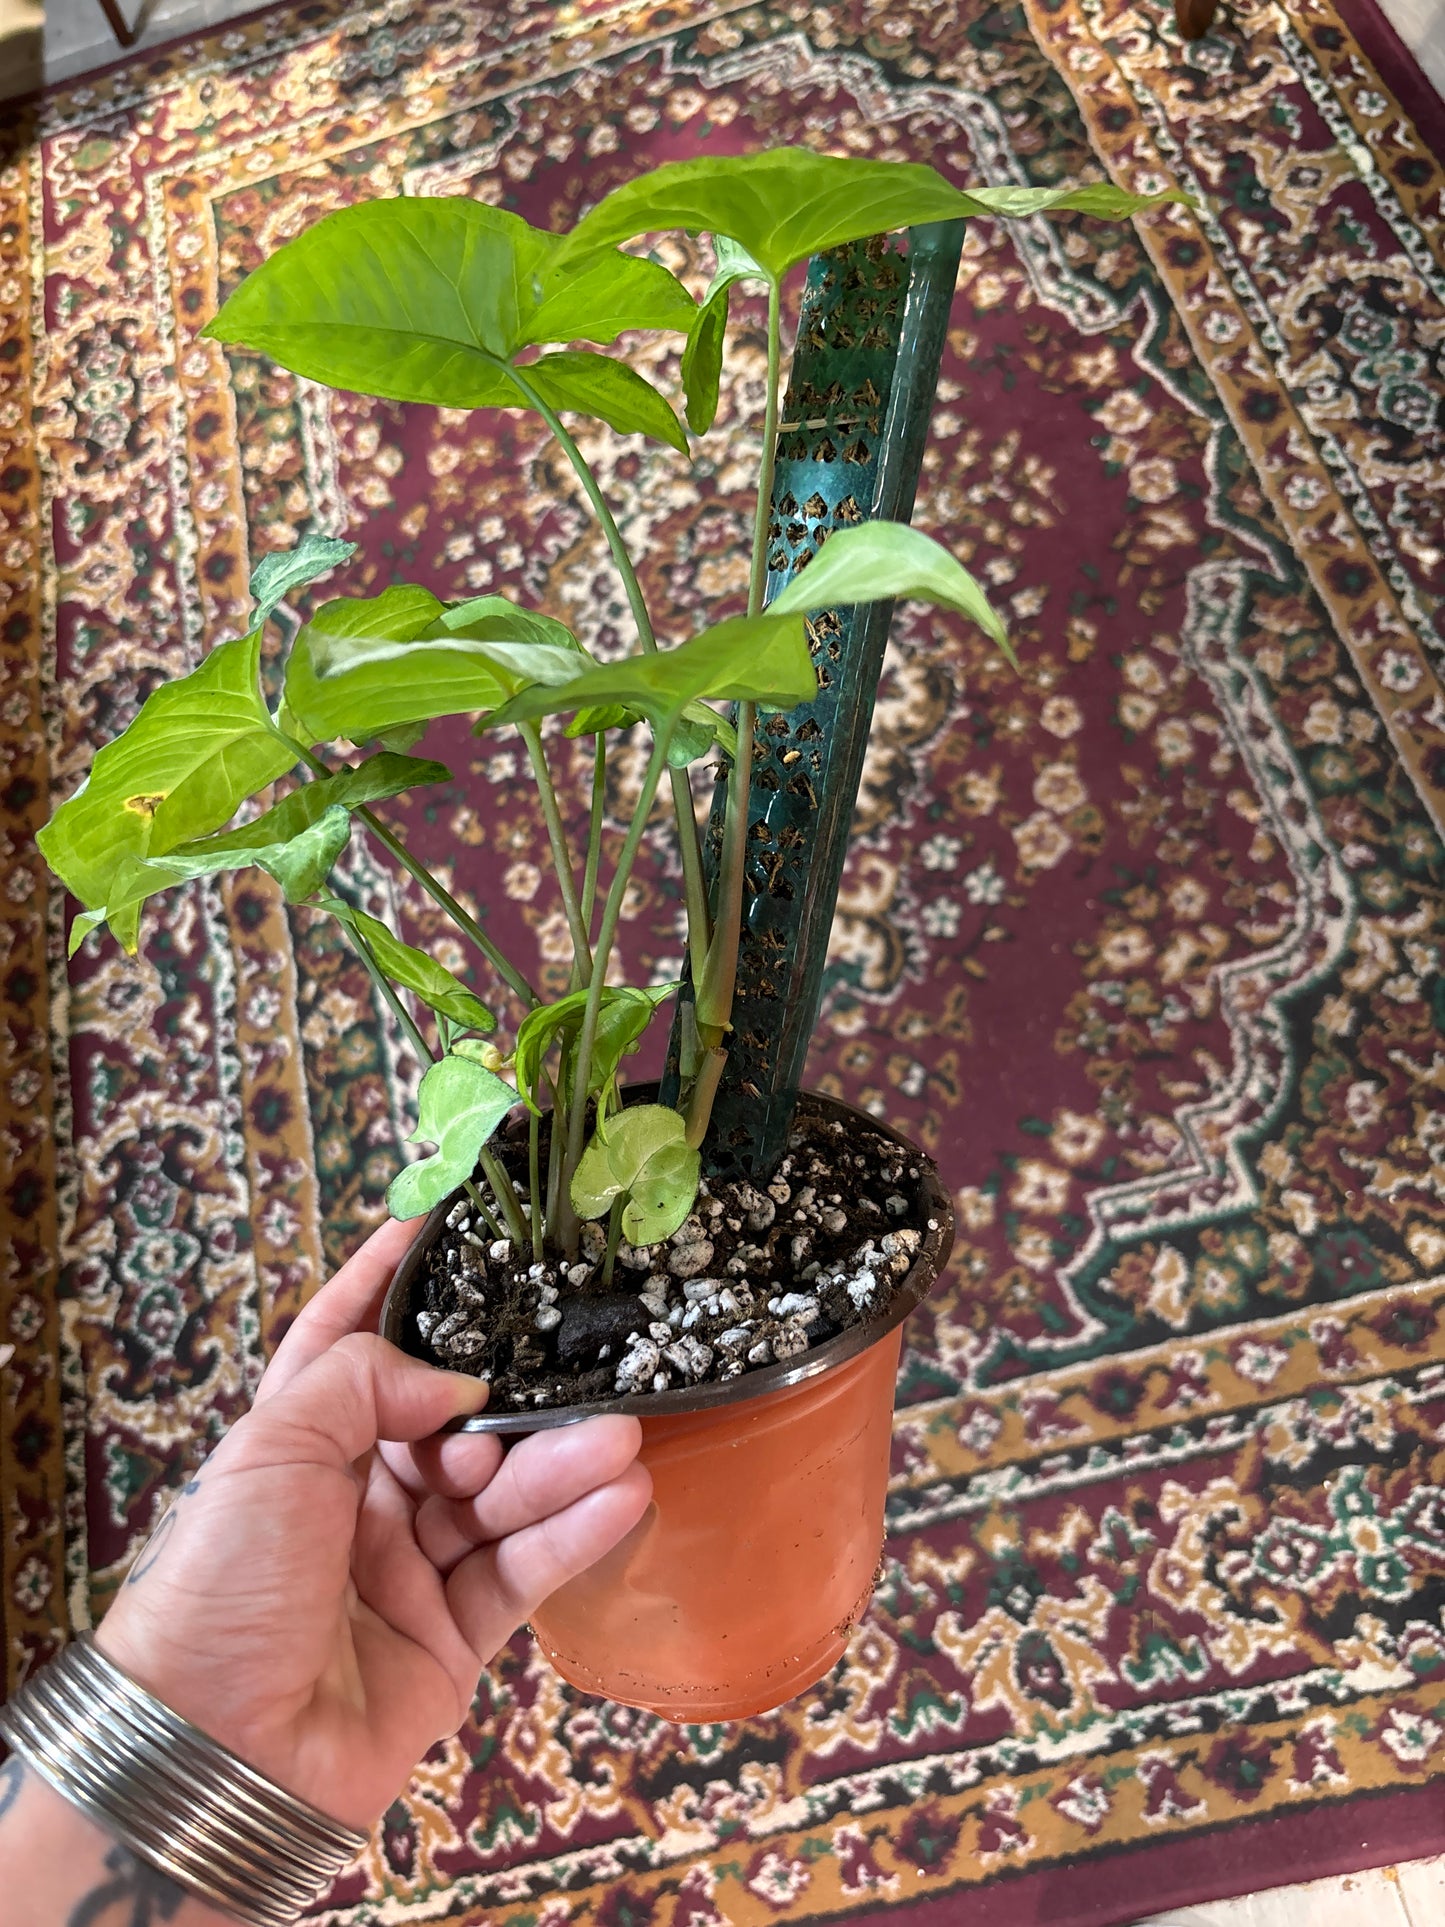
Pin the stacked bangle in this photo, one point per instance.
(175, 1797)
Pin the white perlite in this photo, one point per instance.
(691, 1357)
(686, 1261)
(638, 1365)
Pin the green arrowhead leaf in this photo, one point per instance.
(266, 841)
(414, 970)
(695, 732)
(601, 300)
(625, 1014)
(399, 740)
(785, 204)
(459, 1106)
(398, 614)
(85, 921)
(376, 668)
(875, 561)
(1099, 198)
(520, 665)
(369, 782)
(645, 1158)
(600, 716)
(303, 862)
(492, 618)
(277, 574)
(586, 384)
(702, 361)
(197, 749)
(702, 357)
(428, 299)
(732, 263)
(299, 859)
(762, 659)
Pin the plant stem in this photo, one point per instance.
(598, 500)
(423, 1050)
(614, 1238)
(561, 1216)
(594, 827)
(482, 1209)
(694, 883)
(506, 1197)
(611, 914)
(443, 897)
(716, 1001)
(436, 890)
(699, 924)
(554, 1158)
(762, 515)
(561, 855)
(700, 1097)
(398, 1008)
(534, 1183)
(496, 1177)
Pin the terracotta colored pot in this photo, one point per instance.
(740, 1584)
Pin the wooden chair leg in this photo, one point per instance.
(1195, 17)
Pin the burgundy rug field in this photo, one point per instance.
(1144, 944)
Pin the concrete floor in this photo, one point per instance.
(1421, 25)
(1405, 1896)
(62, 39)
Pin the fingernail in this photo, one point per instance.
(474, 1391)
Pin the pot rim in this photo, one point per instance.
(935, 1208)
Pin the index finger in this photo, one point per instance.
(349, 1302)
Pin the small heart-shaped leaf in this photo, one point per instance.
(459, 1106)
(645, 1158)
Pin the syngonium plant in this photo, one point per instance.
(463, 305)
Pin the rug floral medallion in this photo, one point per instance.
(1144, 944)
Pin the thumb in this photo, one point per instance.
(359, 1392)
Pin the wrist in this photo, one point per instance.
(176, 1800)
(56, 1863)
(179, 1669)
(131, 1642)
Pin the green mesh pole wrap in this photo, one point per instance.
(850, 447)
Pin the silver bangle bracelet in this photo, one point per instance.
(176, 1798)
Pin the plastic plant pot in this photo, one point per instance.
(739, 1586)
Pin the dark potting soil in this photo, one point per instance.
(754, 1277)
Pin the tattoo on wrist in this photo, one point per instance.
(134, 1895)
(130, 1894)
(156, 1544)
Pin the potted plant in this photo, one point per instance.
(583, 1247)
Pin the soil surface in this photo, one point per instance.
(755, 1276)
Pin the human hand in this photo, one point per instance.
(324, 1594)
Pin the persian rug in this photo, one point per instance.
(1144, 944)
